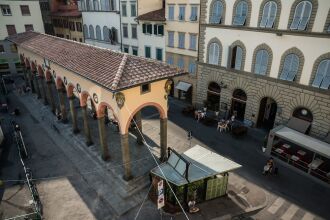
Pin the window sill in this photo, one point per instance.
(181, 48)
(7, 14)
(26, 15)
(194, 50)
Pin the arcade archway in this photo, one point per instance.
(267, 113)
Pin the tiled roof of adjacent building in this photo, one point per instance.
(158, 15)
(111, 69)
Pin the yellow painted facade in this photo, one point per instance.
(65, 32)
(188, 55)
(134, 99)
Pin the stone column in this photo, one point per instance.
(86, 126)
(138, 120)
(75, 129)
(163, 138)
(50, 95)
(42, 82)
(30, 79)
(103, 139)
(26, 77)
(35, 79)
(126, 156)
(61, 95)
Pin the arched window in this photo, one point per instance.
(261, 64)
(322, 78)
(214, 52)
(90, 5)
(91, 32)
(113, 35)
(290, 67)
(303, 114)
(98, 33)
(106, 34)
(241, 12)
(269, 15)
(216, 11)
(301, 16)
(236, 58)
(96, 5)
(86, 31)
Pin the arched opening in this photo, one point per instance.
(238, 104)
(172, 88)
(267, 113)
(303, 114)
(213, 96)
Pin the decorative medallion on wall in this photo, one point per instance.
(120, 99)
(78, 88)
(65, 81)
(95, 98)
(54, 74)
(168, 86)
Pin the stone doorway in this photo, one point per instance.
(267, 113)
(238, 104)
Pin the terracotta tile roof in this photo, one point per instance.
(66, 14)
(111, 69)
(158, 15)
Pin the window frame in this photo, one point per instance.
(123, 12)
(135, 49)
(8, 8)
(169, 42)
(222, 14)
(181, 41)
(161, 54)
(145, 51)
(326, 75)
(144, 90)
(191, 36)
(300, 18)
(125, 47)
(125, 27)
(191, 13)
(311, 21)
(11, 25)
(281, 76)
(134, 26)
(133, 14)
(28, 25)
(171, 17)
(183, 18)
(236, 16)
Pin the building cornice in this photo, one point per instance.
(278, 32)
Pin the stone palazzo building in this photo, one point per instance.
(266, 61)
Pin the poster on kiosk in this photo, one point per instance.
(161, 199)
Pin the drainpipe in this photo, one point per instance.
(121, 36)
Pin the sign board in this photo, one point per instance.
(161, 197)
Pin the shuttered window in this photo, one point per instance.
(269, 15)
(25, 10)
(98, 33)
(301, 16)
(28, 27)
(171, 39)
(290, 67)
(261, 62)
(91, 32)
(159, 54)
(193, 42)
(322, 77)
(181, 63)
(11, 29)
(171, 12)
(86, 31)
(194, 12)
(147, 52)
(241, 13)
(181, 40)
(216, 12)
(170, 60)
(214, 53)
(133, 9)
(182, 12)
(192, 67)
(238, 58)
(125, 30)
(106, 36)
